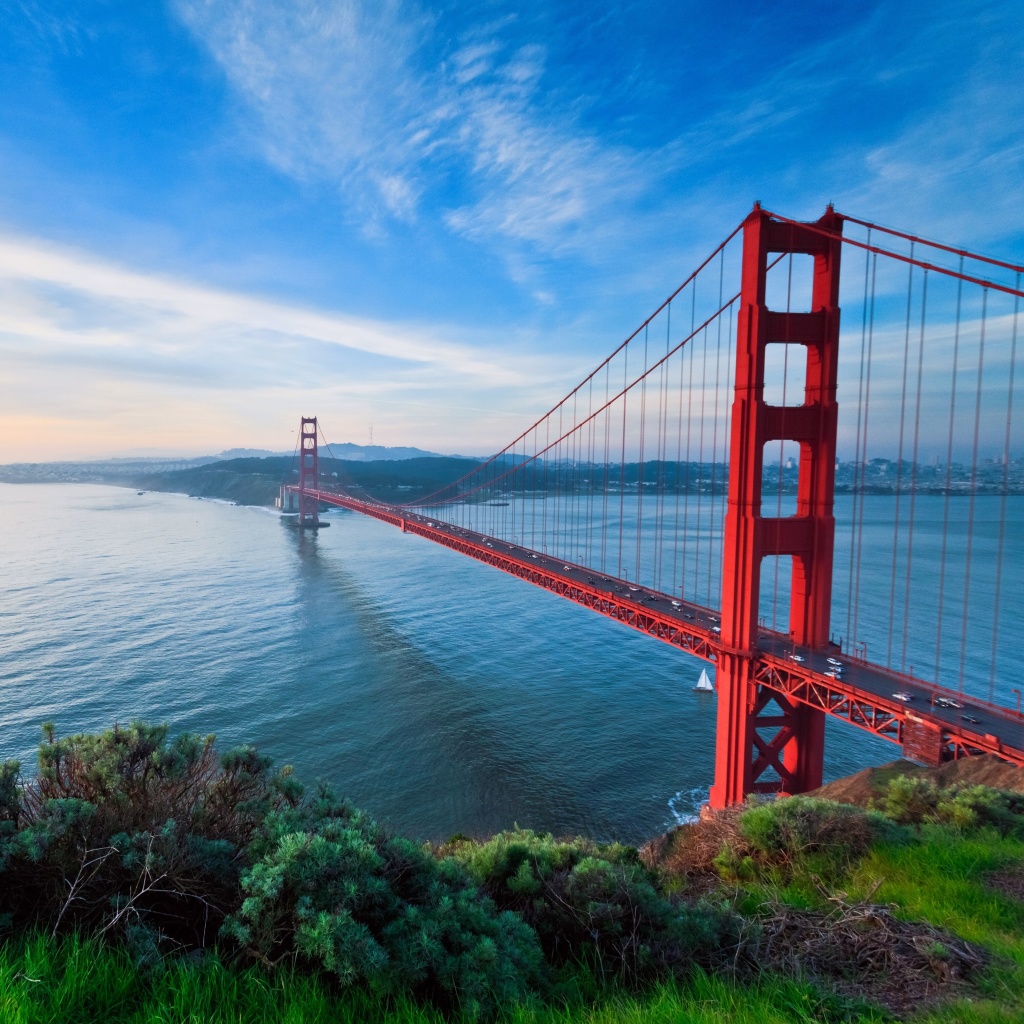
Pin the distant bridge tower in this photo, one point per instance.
(753, 736)
(309, 473)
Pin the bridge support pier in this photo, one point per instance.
(759, 747)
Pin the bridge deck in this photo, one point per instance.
(861, 693)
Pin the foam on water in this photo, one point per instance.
(684, 806)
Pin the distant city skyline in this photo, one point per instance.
(217, 216)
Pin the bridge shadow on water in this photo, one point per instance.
(415, 743)
(448, 697)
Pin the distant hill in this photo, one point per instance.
(255, 481)
(345, 450)
(127, 469)
(381, 453)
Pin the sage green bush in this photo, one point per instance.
(913, 800)
(125, 831)
(330, 887)
(781, 830)
(593, 904)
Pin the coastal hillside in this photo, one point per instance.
(257, 481)
(145, 876)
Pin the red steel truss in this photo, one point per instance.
(775, 688)
(790, 685)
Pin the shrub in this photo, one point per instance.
(125, 831)
(914, 800)
(782, 830)
(733, 865)
(10, 808)
(330, 887)
(592, 904)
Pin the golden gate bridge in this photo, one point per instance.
(687, 488)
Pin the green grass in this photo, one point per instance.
(941, 880)
(76, 981)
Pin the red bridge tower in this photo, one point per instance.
(753, 736)
(309, 473)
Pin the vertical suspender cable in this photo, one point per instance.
(573, 534)
(864, 454)
(700, 471)
(913, 479)
(899, 465)
(546, 486)
(622, 470)
(974, 491)
(714, 443)
(559, 531)
(856, 450)
(590, 473)
(676, 542)
(1002, 500)
(532, 504)
(727, 449)
(606, 468)
(689, 411)
(640, 465)
(949, 471)
(659, 524)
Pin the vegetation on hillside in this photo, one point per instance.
(140, 870)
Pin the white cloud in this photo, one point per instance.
(174, 311)
(88, 347)
(348, 94)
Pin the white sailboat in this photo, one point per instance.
(704, 683)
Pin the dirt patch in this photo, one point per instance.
(862, 950)
(981, 770)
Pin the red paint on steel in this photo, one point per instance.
(309, 471)
(795, 753)
(912, 260)
(796, 683)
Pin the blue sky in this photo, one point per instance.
(216, 216)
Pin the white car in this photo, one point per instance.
(835, 662)
(948, 702)
(796, 657)
(903, 696)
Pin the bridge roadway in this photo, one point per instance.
(860, 693)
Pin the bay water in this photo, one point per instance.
(437, 693)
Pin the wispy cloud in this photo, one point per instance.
(100, 342)
(356, 93)
(479, 134)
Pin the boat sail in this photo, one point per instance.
(704, 684)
